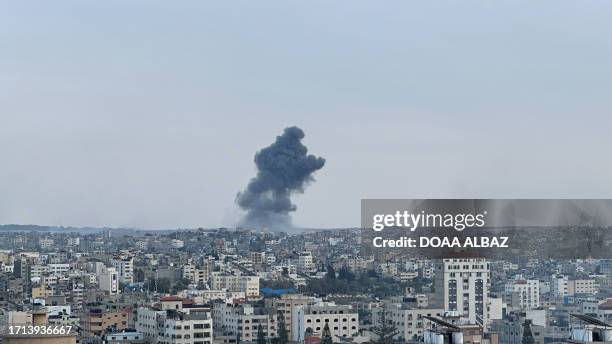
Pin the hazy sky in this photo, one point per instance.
(148, 113)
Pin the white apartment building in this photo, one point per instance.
(125, 268)
(562, 286)
(38, 270)
(462, 287)
(558, 286)
(407, 320)
(428, 272)
(526, 292)
(108, 281)
(46, 243)
(247, 284)
(196, 274)
(174, 326)
(242, 320)
(58, 268)
(356, 263)
(305, 263)
(310, 320)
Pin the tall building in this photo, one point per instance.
(524, 293)
(305, 263)
(286, 305)
(196, 274)
(125, 268)
(108, 280)
(558, 286)
(462, 287)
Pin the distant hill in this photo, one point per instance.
(62, 229)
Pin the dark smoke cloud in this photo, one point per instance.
(283, 168)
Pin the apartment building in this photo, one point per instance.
(247, 284)
(125, 268)
(462, 287)
(172, 322)
(305, 263)
(559, 286)
(108, 280)
(582, 287)
(286, 305)
(524, 293)
(97, 319)
(407, 320)
(196, 274)
(241, 320)
(310, 320)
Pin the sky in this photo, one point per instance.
(148, 113)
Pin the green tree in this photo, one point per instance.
(326, 337)
(346, 274)
(163, 285)
(385, 331)
(139, 275)
(331, 272)
(261, 338)
(283, 335)
(527, 335)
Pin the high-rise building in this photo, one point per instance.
(526, 293)
(462, 287)
(558, 286)
(108, 281)
(125, 268)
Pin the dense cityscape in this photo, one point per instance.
(230, 286)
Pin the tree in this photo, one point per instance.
(385, 331)
(261, 338)
(527, 335)
(283, 335)
(326, 337)
(163, 285)
(331, 272)
(346, 274)
(139, 275)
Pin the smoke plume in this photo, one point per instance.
(283, 168)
